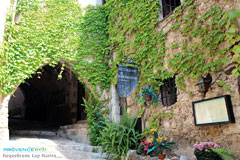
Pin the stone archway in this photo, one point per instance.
(44, 99)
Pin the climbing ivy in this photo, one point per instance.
(50, 31)
(132, 35)
(93, 46)
(135, 33)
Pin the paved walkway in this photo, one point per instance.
(46, 148)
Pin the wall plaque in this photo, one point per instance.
(213, 111)
(127, 80)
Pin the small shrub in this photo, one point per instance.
(95, 150)
(117, 139)
(95, 110)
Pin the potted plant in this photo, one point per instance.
(147, 95)
(212, 151)
(144, 147)
(160, 143)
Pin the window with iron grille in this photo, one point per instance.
(168, 92)
(169, 5)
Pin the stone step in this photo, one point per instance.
(80, 147)
(81, 131)
(84, 138)
(62, 132)
(33, 132)
(79, 138)
(77, 132)
(63, 148)
(82, 121)
(77, 125)
(74, 155)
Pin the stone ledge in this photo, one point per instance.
(132, 155)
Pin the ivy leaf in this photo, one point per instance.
(221, 83)
(236, 49)
(234, 14)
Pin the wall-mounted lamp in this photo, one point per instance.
(204, 84)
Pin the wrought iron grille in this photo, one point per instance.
(169, 5)
(168, 92)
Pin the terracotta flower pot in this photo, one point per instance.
(147, 97)
(161, 156)
(145, 154)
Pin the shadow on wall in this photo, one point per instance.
(15, 104)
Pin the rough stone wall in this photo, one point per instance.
(180, 127)
(4, 132)
(4, 5)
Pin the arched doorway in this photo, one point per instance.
(45, 102)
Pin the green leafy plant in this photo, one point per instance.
(148, 95)
(153, 123)
(95, 110)
(226, 154)
(160, 143)
(117, 139)
(95, 150)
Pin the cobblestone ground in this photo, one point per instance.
(45, 148)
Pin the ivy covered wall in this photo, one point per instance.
(45, 32)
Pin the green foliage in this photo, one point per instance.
(95, 150)
(160, 143)
(149, 92)
(95, 110)
(136, 19)
(226, 154)
(117, 139)
(93, 43)
(50, 31)
(153, 123)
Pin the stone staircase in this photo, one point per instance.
(77, 132)
(70, 142)
(62, 148)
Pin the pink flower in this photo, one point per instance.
(141, 144)
(211, 144)
(195, 145)
(193, 149)
(146, 142)
(200, 147)
(216, 146)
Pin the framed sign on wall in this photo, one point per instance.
(213, 111)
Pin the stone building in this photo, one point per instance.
(180, 125)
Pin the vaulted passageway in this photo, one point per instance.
(45, 102)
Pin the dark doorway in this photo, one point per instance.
(81, 114)
(138, 126)
(46, 102)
